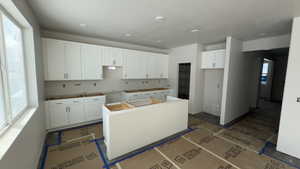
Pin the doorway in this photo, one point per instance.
(271, 84)
(184, 80)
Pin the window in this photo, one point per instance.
(265, 72)
(13, 91)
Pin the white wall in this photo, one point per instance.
(267, 43)
(188, 54)
(112, 85)
(289, 138)
(279, 77)
(25, 150)
(237, 96)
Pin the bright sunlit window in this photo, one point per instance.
(13, 91)
(265, 73)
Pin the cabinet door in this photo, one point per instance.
(54, 54)
(76, 112)
(58, 114)
(206, 61)
(107, 56)
(135, 65)
(154, 67)
(73, 61)
(92, 62)
(220, 59)
(117, 54)
(164, 66)
(93, 109)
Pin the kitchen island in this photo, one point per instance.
(130, 126)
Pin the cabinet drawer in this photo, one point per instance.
(95, 99)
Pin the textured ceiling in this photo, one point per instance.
(112, 19)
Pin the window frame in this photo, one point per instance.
(10, 120)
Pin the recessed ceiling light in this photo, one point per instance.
(195, 30)
(82, 25)
(128, 35)
(158, 41)
(160, 18)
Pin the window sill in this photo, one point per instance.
(12, 132)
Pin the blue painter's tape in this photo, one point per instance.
(59, 137)
(44, 156)
(269, 144)
(106, 165)
(150, 147)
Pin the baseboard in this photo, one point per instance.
(40, 153)
(73, 126)
(232, 122)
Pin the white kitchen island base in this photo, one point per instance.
(130, 129)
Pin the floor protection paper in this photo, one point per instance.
(188, 156)
(236, 155)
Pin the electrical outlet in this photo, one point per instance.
(298, 99)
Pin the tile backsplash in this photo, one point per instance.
(112, 85)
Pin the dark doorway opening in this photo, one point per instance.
(184, 80)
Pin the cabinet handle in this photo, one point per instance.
(214, 64)
(59, 103)
(66, 75)
(114, 62)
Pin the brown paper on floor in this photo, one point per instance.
(242, 139)
(74, 155)
(198, 123)
(253, 130)
(266, 122)
(235, 154)
(95, 129)
(148, 160)
(188, 156)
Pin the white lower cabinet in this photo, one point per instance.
(64, 112)
(93, 108)
(59, 114)
(76, 111)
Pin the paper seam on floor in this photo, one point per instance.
(243, 146)
(166, 157)
(217, 156)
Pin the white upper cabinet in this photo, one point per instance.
(213, 59)
(220, 59)
(134, 65)
(54, 59)
(154, 68)
(165, 66)
(144, 65)
(92, 59)
(73, 62)
(62, 60)
(65, 60)
(112, 56)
